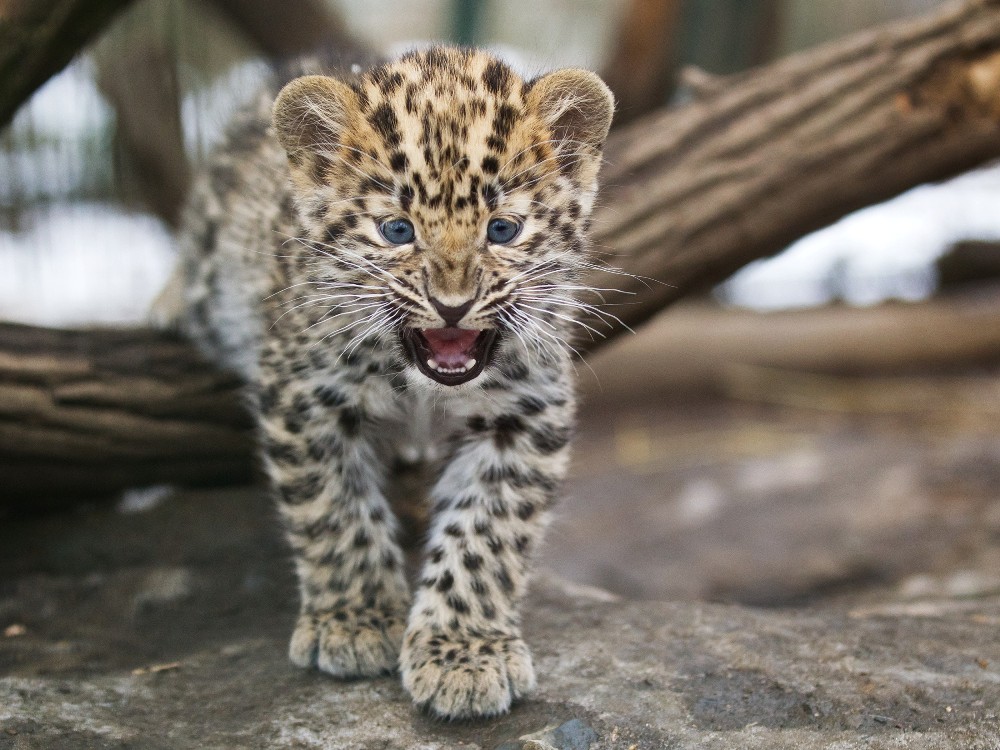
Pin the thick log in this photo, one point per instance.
(691, 195)
(766, 157)
(38, 38)
(87, 413)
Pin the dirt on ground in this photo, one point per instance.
(829, 542)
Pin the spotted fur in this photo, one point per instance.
(289, 281)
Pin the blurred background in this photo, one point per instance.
(92, 167)
(823, 422)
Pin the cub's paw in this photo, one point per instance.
(463, 676)
(348, 642)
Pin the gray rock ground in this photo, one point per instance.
(833, 580)
(167, 629)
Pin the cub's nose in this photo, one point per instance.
(452, 315)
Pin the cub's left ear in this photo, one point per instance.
(576, 104)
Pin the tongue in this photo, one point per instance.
(450, 347)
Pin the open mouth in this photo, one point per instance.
(450, 356)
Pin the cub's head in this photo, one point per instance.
(446, 200)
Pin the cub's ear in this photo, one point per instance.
(311, 113)
(576, 104)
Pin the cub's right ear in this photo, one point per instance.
(311, 113)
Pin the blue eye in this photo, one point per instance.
(397, 231)
(502, 231)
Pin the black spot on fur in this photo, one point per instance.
(384, 121)
(490, 196)
(282, 453)
(386, 81)
(267, 398)
(406, 197)
(503, 578)
(504, 119)
(371, 185)
(329, 396)
(350, 422)
(497, 78)
(547, 439)
(301, 490)
(398, 161)
(496, 474)
(506, 429)
(293, 422)
(490, 165)
(531, 405)
(525, 510)
(334, 232)
(445, 582)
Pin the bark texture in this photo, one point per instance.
(87, 413)
(693, 194)
(690, 196)
(38, 38)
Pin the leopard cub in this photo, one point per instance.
(394, 266)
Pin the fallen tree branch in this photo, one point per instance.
(87, 413)
(38, 38)
(690, 196)
(696, 193)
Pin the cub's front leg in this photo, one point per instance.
(319, 451)
(463, 655)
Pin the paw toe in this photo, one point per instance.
(347, 644)
(466, 678)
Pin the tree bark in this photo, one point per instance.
(690, 196)
(693, 194)
(38, 38)
(642, 69)
(87, 413)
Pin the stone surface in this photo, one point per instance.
(167, 629)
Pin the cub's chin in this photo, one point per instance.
(450, 356)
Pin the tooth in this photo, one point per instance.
(432, 363)
(470, 363)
